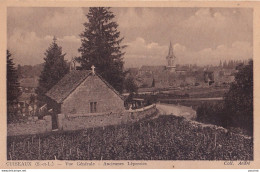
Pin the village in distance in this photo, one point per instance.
(92, 107)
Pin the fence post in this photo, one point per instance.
(48, 121)
(215, 141)
(60, 119)
(39, 151)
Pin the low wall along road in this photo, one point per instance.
(177, 110)
(33, 126)
(72, 122)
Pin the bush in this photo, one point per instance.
(213, 113)
(237, 109)
(239, 99)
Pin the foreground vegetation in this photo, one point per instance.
(237, 108)
(164, 138)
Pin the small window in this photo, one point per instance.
(93, 107)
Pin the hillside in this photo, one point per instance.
(164, 138)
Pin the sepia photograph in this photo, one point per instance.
(129, 83)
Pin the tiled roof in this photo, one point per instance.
(29, 82)
(67, 84)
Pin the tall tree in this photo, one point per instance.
(225, 64)
(130, 85)
(19, 71)
(101, 46)
(153, 83)
(220, 64)
(13, 90)
(55, 67)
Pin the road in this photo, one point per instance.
(193, 99)
(177, 110)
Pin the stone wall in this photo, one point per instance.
(93, 89)
(33, 126)
(71, 122)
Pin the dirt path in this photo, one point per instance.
(195, 99)
(177, 110)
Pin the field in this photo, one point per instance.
(163, 138)
(186, 97)
(208, 92)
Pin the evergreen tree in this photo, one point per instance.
(228, 64)
(130, 85)
(225, 64)
(153, 83)
(101, 46)
(220, 64)
(55, 67)
(19, 71)
(13, 90)
(232, 64)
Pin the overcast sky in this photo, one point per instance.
(199, 35)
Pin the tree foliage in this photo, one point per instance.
(13, 90)
(237, 109)
(101, 46)
(55, 67)
(239, 99)
(213, 113)
(130, 85)
(153, 83)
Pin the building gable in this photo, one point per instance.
(93, 91)
(70, 82)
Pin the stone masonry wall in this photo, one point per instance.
(90, 120)
(93, 89)
(30, 127)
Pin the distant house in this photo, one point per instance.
(132, 71)
(224, 76)
(83, 92)
(181, 69)
(28, 85)
(27, 104)
(151, 69)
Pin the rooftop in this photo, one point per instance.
(153, 68)
(69, 83)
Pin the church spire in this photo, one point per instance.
(170, 53)
(171, 59)
(170, 50)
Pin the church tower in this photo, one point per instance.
(171, 66)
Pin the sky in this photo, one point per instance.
(199, 36)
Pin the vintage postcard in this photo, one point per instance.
(162, 84)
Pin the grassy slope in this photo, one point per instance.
(164, 138)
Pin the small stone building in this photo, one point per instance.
(84, 92)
